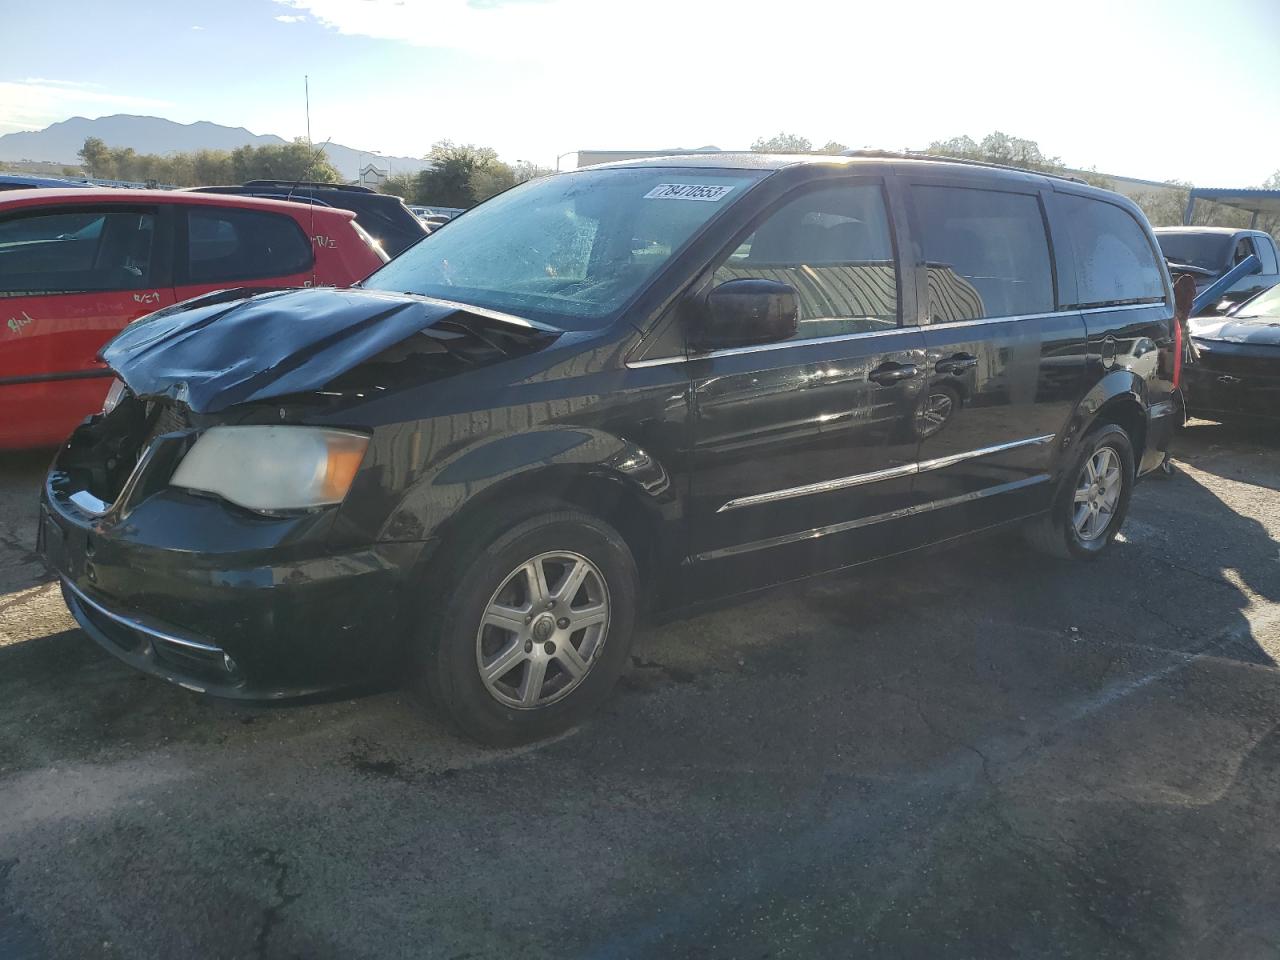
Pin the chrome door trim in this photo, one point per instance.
(937, 463)
(848, 525)
(826, 486)
(857, 479)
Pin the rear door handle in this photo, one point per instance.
(957, 364)
(890, 373)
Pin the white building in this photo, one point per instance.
(372, 177)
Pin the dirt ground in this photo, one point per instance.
(977, 753)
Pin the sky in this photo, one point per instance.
(1154, 89)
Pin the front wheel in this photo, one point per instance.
(1091, 504)
(535, 628)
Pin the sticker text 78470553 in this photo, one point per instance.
(688, 191)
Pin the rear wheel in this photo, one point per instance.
(534, 630)
(1091, 504)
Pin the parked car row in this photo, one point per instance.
(77, 266)
(599, 395)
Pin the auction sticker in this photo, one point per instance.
(688, 191)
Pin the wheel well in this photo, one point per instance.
(602, 496)
(1127, 413)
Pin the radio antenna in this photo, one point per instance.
(306, 94)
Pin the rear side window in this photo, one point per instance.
(1114, 260)
(76, 250)
(1267, 254)
(986, 251)
(229, 244)
(834, 247)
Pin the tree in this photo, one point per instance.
(492, 180)
(290, 161)
(833, 147)
(783, 143)
(400, 185)
(450, 182)
(96, 156)
(997, 147)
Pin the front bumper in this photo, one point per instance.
(1233, 381)
(225, 602)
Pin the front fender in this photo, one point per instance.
(539, 460)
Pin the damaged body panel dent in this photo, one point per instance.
(218, 351)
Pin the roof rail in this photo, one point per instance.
(309, 184)
(917, 155)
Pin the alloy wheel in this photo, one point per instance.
(1097, 493)
(542, 630)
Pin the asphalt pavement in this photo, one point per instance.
(975, 753)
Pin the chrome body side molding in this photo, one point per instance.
(857, 479)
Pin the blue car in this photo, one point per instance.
(17, 181)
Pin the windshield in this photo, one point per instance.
(1264, 305)
(572, 249)
(1206, 250)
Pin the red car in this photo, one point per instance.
(77, 265)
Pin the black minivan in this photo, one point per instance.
(605, 393)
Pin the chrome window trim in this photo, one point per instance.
(1124, 306)
(840, 338)
(847, 525)
(760, 347)
(134, 624)
(857, 479)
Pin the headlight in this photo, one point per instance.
(114, 396)
(273, 468)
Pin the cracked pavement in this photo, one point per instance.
(970, 753)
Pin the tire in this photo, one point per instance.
(494, 617)
(1058, 532)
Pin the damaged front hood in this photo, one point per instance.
(1255, 331)
(234, 347)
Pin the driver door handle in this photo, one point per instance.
(890, 373)
(956, 364)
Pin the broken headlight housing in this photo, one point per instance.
(273, 468)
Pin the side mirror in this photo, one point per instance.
(740, 313)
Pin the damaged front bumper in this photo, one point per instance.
(215, 598)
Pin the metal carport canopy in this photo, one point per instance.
(1254, 201)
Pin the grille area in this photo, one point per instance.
(124, 637)
(1240, 365)
(178, 657)
(164, 416)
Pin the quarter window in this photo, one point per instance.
(986, 252)
(229, 244)
(1114, 259)
(834, 247)
(76, 250)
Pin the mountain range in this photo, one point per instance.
(58, 142)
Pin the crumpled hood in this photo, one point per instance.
(1249, 330)
(235, 346)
